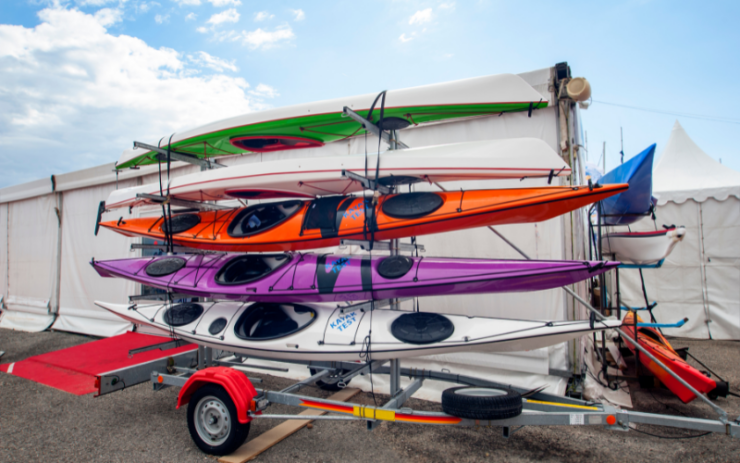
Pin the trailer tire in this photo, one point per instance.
(213, 423)
(482, 403)
(329, 385)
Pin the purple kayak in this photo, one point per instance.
(309, 277)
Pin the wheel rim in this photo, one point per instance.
(212, 421)
(481, 392)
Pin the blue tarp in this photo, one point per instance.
(630, 206)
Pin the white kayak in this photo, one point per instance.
(314, 124)
(317, 176)
(328, 332)
(642, 248)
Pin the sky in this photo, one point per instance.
(81, 79)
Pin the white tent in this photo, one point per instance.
(700, 280)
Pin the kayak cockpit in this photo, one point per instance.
(265, 321)
(249, 268)
(256, 219)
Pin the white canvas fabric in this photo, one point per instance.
(4, 265)
(31, 259)
(80, 283)
(685, 172)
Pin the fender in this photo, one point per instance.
(237, 385)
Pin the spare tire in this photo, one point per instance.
(482, 403)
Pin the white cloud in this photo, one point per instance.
(107, 16)
(94, 2)
(187, 2)
(143, 7)
(75, 96)
(262, 15)
(405, 39)
(202, 29)
(191, 17)
(447, 6)
(265, 39)
(203, 59)
(220, 3)
(299, 14)
(226, 16)
(421, 17)
(161, 19)
(264, 91)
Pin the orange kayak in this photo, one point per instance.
(297, 225)
(652, 340)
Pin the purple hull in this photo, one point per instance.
(309, 277)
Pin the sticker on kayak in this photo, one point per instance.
(342, 322)
(357, 211)
(337, 265)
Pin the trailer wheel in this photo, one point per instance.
(482, 403)
(213, 423)
(329, 383)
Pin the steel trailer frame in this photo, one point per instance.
(539, 408)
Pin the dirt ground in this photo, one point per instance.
(39, 423)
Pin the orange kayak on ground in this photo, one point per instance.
(298, 225)
(652, 340)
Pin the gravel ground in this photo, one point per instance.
(39, 423)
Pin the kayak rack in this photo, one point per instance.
(178, 156)
(383, 245)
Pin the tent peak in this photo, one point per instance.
(685, 171)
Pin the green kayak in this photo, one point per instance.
(315, 124)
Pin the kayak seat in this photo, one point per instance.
(412, 205)
(422, 328)
(256, 219)
(264, 321)
(165, 266)
(183, 314)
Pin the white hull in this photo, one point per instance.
(336, 335)
(641, 248)
(309, 177)
(501, 88)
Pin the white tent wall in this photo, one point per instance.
(32, 260)
(4, 265)
(553, 239)
(700, 280)
(80, 284)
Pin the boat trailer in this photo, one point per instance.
(198, 370)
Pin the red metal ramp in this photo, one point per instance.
(75, 369)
